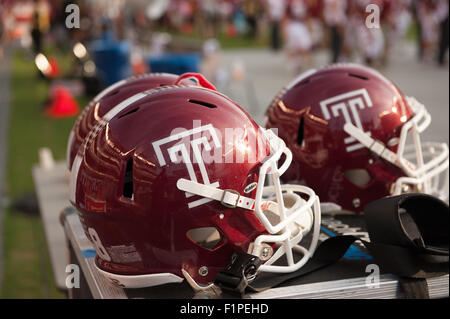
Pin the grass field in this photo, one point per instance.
(28, 272)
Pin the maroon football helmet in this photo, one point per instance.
(106, 100)
(356, 138)
(170, 183)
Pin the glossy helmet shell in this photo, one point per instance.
(130, 198)
(310, 115)
(106, 100)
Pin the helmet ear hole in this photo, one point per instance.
(128, 180)
(301, 132)
(206, 237)
(359, 177)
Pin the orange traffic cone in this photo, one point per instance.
(62, 103)
(54, 68)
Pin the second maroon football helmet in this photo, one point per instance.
(356, 138)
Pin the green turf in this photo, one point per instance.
(28, 272)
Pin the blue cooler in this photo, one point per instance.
(176, 63)
(112, 59)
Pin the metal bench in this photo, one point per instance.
(68, 244)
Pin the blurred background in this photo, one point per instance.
(55, 55)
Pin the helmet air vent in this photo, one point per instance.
(113, 93)
(361, 77)
(206, 104)
(129, 112)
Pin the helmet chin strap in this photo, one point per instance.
(426, 176)
(227, 197)
(293, 231)
(232, 199)
(375, 146)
